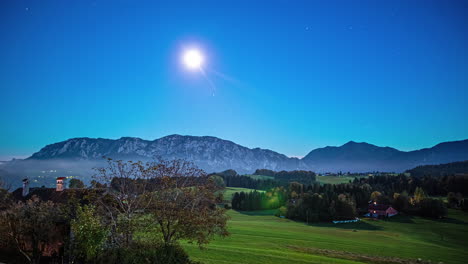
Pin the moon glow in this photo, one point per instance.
(192, 59)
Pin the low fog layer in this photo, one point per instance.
(43, 172)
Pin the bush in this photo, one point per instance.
(432, 208)
(464, 204)
(89, 233)
(141, 254)
(282, 211)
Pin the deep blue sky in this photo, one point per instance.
(297, 74)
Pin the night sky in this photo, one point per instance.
(290, 76)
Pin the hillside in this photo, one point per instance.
(452, 168)
(260, 237)
(364, 157)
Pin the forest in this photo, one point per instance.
(324, 202)
(460, 167)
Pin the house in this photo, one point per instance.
(57, 195)
(380, 210)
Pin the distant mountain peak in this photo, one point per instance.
(216, 154)
(354, 143)
(209, 153)
(364, 157)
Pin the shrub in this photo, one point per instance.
(434, 208)
(89, 233)
(141, 254)
(464, 204)
(282, 211)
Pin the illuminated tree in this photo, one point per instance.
(419, 195)
(375, 195)
(89, 234)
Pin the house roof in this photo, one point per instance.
(50, 194)
(378, 207)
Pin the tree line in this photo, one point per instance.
(302, 176)
(251, 201)
(434, 186)
(280, 178)
(460, 167)
(249, 182)
(325, 202)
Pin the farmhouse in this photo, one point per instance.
(381, 210)
(58, 195)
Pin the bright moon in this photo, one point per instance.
(193, 59)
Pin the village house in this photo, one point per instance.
(58, 195)
(380, 210)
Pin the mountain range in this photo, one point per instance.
(214, 154)
(210, 153)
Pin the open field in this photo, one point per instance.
(260, 177)
(334, 179)
(230, 191)
(260, 237)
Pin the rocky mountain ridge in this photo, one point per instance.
(215, 154)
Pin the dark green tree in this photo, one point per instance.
(76, 183)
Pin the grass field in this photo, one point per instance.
(260, 177)
(334, 179)
(230, 191)
(260, 237)
(321, 179)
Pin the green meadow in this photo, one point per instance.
(260, 177)
(334, 179)
(260, 237)
(230, 191)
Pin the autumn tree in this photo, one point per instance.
(31, 226)
(375, 196)
(172, 200)
(127, 199)
(419, 195)
(184, 203)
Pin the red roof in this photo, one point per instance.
(61, 178)
(378, 207)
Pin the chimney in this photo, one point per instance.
(60, 184)
(25, 187)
